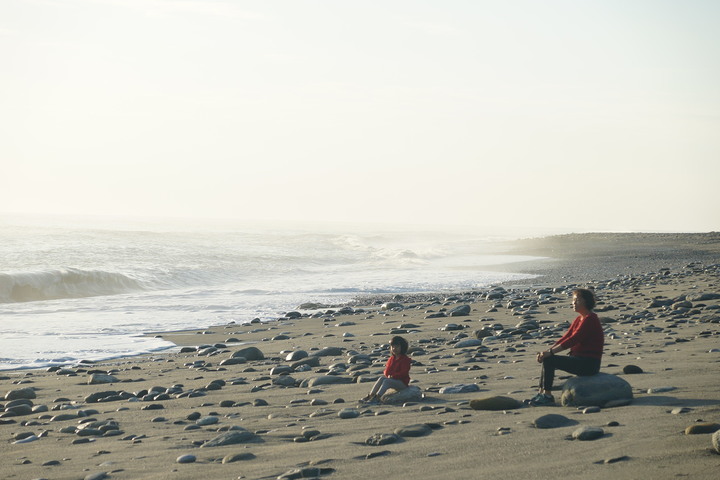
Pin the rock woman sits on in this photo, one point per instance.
(585, 340)
(396, 374)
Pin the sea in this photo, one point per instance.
(74, 289)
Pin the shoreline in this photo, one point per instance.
(160, 411)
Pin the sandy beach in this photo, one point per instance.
(295, 416)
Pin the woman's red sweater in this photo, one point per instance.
(398, 368)
(585, 337)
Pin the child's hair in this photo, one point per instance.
(400, 342)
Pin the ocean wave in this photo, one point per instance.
(64, 283)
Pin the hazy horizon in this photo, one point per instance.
(550, 116)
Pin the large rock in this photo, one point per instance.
(600, 390)
(460, 311)
(716, 441)
(250, 353)
(553, 420)
(495, 403)
(409, 394)
(27, 393)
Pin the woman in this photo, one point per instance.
(585, 340)
(396, 374)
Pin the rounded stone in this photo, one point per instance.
(186, 459)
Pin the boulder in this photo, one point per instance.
(495, 403)
(409, 394)
(28, 393)
(599, 390)
(250, 353)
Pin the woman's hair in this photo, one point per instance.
(587, 296)
(400, 342)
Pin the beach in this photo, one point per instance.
(287, 415)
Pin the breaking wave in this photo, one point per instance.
(64, 283)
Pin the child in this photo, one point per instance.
(396, 374)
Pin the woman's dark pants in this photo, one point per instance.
(582, 366)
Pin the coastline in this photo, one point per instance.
(678, 350)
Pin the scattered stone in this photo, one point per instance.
(186, 459)
(460, 388)
(716, 441)
(232, 438)
(553, 420)
(495, 403)
(100, 378)
(238, 457)
(346, 413)
(417, 430)
(595, 390)
(27, 393)
(250, 354)
(307, 472)
(700, 428)
(328, 352)
(460, 311)
(97, 476)
(468, 342)
(661, 389)
(382, 439)
(588, 433)
(632, 370)
(680, 410)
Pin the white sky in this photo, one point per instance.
(588, 115)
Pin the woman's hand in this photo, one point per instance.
(543, 355)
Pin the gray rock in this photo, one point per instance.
(325, 380)
(600, 390)
(409, 394)
(460, 311)
(588, 433)
(495, 403)
(250, 353)
(391, 306)
(296, 355)
(417, 430)
(233, 361)
(99, 378)
(553, 420)
(460, 388)
(284, 381)
(346, 413)
(97, 476)
(238, 457)
(382, 439)
(210, 420)
(328, 352)
(307, 472)
(27, 393)
(186, 459)
(716, 441)
(632, 369)
(660, 389)
(468, 342)
(231, 438)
